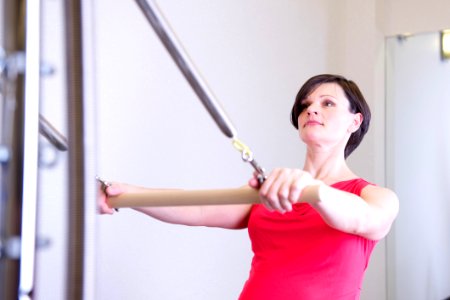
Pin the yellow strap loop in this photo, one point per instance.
(247, 154)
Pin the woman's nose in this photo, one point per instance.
(312, 110)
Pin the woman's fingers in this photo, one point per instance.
(271, 193)
(254, 183)
(110, 190)
(283, 188)
(102, 206)
(297, 185)
(115, 189)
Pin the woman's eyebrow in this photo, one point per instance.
(327, 95)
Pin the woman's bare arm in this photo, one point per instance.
(223, 216)
(370, 215)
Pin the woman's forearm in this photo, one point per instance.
(350, 213)
(179, 206)
(222, 216)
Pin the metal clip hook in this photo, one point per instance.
(248, 157)
(104, 184)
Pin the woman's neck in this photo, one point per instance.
(329, 167)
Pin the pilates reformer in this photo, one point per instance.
(190, 197)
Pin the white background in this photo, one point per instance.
(418, 132)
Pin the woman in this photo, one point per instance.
(313, 234)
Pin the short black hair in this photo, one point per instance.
(354, 96)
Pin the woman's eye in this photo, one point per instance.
(328, 103)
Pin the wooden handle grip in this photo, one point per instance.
(244, 195)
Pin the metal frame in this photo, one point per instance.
(30, 149)
(81, 149)
(12, 135)
(20, 88)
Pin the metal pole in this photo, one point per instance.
(31, 144)
(187, 68)
(56, 138)
(81, 149)
(12, 120)
(74, 85)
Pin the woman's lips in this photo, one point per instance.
(312, 123)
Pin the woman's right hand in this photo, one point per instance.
(112, 190)
(102, 198)
(283, 188)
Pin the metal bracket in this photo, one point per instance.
(14, 63)
(10, 247)
(4, 154)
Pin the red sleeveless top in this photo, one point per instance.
(298, 256)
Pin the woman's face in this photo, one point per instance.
(326, 118)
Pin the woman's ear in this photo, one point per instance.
(356, 123)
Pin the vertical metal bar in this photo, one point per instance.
(74, 85)
(30, 157)
(81, 149)
(13, 21)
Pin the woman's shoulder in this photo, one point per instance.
(370, 192)
(354, 185)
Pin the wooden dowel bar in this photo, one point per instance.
(244, 195)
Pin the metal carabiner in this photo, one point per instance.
(261, 175)
(247, 156)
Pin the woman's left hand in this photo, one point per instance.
(282, 188)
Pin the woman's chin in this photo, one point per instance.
(310, 138)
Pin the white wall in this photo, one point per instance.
(414, 16)
(419, 171)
